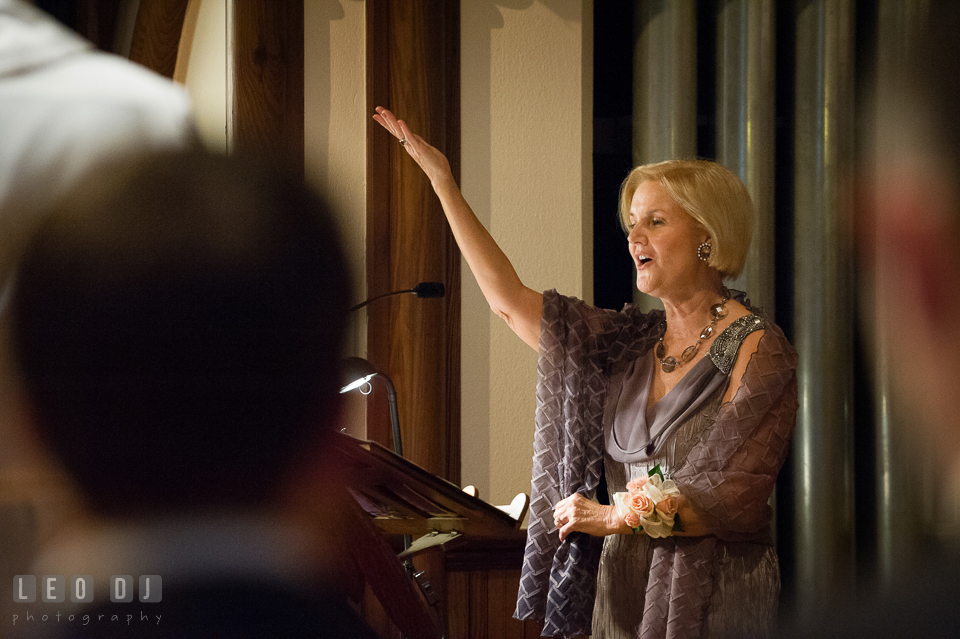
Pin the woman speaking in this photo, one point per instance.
(688, 412)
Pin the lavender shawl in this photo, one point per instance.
(729, 474)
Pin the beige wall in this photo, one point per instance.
(206, 74)
(526, 82)
(526, 117)
(335, 125)
(334, 117)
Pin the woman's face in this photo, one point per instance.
(663, 243)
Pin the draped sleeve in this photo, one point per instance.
(579, 345)
(728, 477)
(730, 473)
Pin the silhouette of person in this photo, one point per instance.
(177, 323)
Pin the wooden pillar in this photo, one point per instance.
(156, 35)
(266, 113)
(413, 62)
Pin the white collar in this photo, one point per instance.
(29, 38)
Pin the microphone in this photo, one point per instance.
(423, 289)
(428, 289)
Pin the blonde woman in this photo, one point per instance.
(687, 411)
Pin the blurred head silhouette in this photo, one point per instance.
(177, 324)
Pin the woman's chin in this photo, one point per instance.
(645, 288)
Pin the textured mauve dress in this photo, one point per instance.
(724, 458)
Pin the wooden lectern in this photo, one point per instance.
(394, 496)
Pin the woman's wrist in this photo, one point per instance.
(444, 183)
(614, 521)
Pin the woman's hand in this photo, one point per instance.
(433, 162)
(577, 513)
(518, 305)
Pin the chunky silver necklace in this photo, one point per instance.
(667, 362)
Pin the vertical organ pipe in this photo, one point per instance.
(899, 495)
(824, 309)
(664, 86)
(745, 127)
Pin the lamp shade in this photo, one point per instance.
(356, 373)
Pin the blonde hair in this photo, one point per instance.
(712, 195)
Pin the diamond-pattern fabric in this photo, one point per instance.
(728, 475)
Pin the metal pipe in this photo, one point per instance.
(823, 301)
(745, 127)
(664, 87)
(900, 497)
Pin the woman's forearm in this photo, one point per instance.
(520, 306)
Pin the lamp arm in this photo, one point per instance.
(397, 446)
(394, 414)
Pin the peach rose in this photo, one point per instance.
(632, 519)
(641, 504)
(668, 506)
(636, 484)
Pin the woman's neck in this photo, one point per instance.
(690, 313)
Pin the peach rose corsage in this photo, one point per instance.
(650, 504)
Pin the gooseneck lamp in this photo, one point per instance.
(358, 373)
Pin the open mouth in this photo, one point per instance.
(644, 260)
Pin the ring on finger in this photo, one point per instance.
(403, 141)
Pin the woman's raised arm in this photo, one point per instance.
(520, 306)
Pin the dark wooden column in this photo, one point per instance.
(267, 113)
(413, 64)
(97, 22)
(156, 34)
